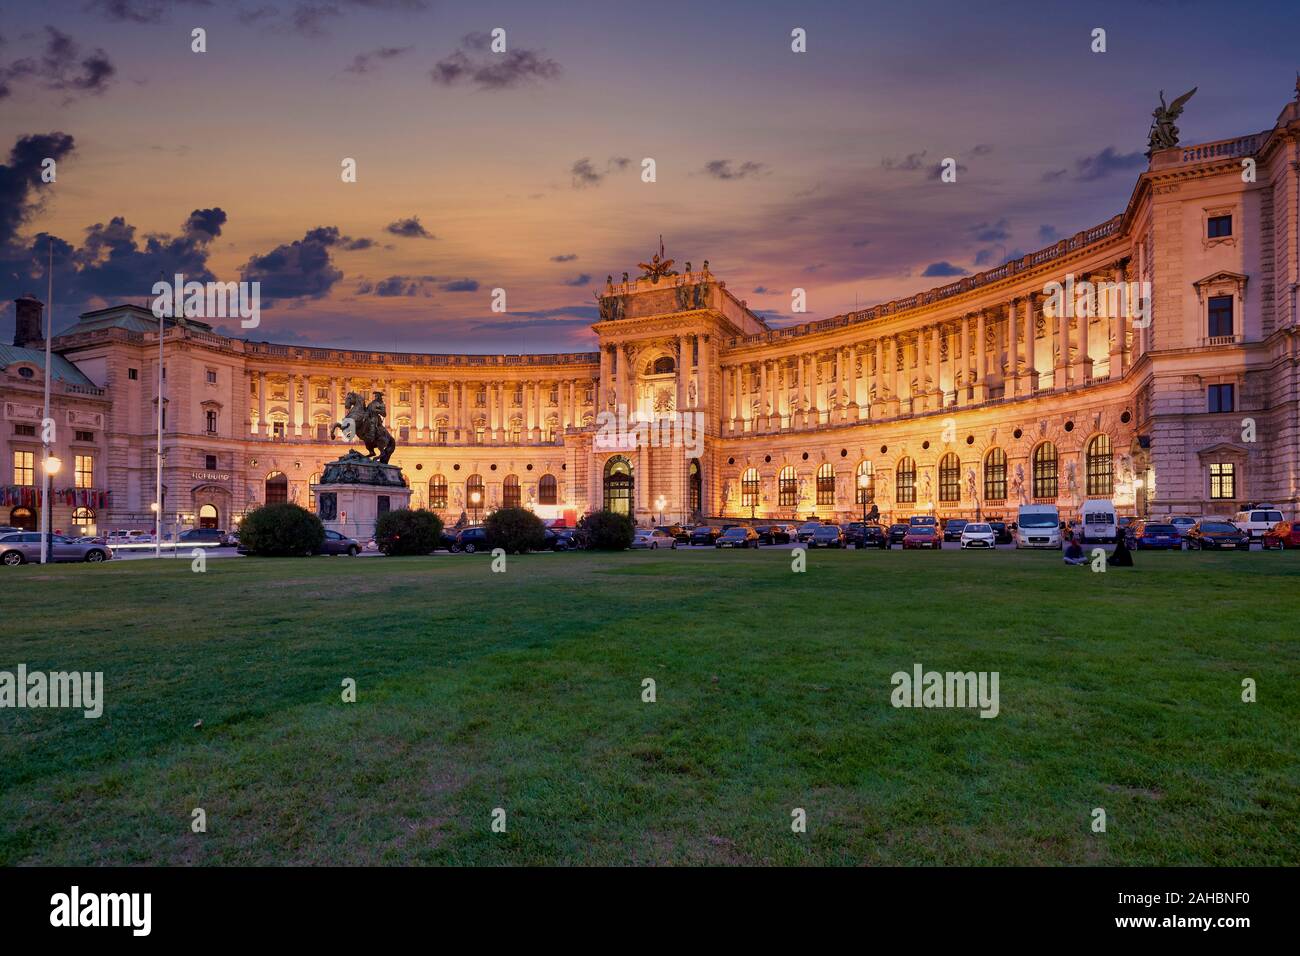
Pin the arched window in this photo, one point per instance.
(548, 490)
(474, 496)
(1100, 468)
(826, 484)
(663, 366)
(510, 492)
(208, 516)
(23, 519)
(749, 489)
(277, 488)
(864, 484)
(787, 488)
(618, 486)
(995, 475)
(83, 517)
(1045, 474)
(438, 491)
(950, 478)
(311, 493)
(694, 486)
(905, 482)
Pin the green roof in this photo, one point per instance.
(64, 371)
(134, 318)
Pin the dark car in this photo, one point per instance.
(445, 540)
(1153, 535)
(682, 535)
(1217, 536)
(738, 537)
(470, 540)
(336, 543)
(805, 531)
(774, 533)
(923, 536)
(210, 537)
(1283, 535)
(896, 533)
(866, 535)
(953, 528)
(1002, 533)
(827, 536)
(564, 539)
(704, 535)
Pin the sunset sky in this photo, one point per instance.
(478, 170)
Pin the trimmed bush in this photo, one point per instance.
(608, 530)
(408, 532)
(515, 529)
(281, 530)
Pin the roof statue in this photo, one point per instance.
(658, 267)
(1164, 133)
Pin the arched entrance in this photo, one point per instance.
(618, 486)
(277, 488)
(23, 518)
(208, 516)
(694, 487)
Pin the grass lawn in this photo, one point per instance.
(523, 691)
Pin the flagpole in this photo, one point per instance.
(45, 422)
(158, 456)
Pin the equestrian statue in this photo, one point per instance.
(366, 422)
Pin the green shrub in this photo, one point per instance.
(281, 530)
(408, 532)
(516, 530)
(608, 530)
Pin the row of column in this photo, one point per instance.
(692, 383)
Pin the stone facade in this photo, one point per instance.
(964, 400)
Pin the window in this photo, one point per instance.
(277, 488)
(322, 394)
(480, 430)
(404, 396)
(950, 478)
(1100, 468)
(442, 398)
(749, 489)
(474, 492)
(1045, 477)
(133, 374)
(694, 486)
(438, 491)
(510, 496)
(548, 490)
(311, 492)
(995, 475)
(826, 484)
(1220, 398)
(518, 397)
(1220, 315)
(210, 462)
(480, 397)
(322, 432)
(905, 482)
(83, 517)
(864, 492)
(85, 436)
(1218, 227)
(663, 366)
(787, 488)
(24, 467)
(211, 376)
(211, 418)
(1223, 480)
(27, 431)
(84, 471)
(25, 371)
(277, 429)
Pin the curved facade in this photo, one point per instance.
(1173, 388)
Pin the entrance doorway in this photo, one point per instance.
(23, 519)
(618, 486)
(208, 516)
(694, 487)
(277, 488)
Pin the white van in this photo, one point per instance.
(1099, 522)
(1257, 520)
(1038, 526)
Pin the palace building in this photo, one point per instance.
(963, 400)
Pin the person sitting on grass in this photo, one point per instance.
(1074, 553)
(1121, 557)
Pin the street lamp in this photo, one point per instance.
(660, 504)
(864, 482)
(50, 465)
(475, 498)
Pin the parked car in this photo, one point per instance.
(704, 534)
(129, 536)
(1002, 532)
(445, 540)
(1099, 523)
(653, 539)
(209, 537)
(1155, 535)
(805, 531)
(923, 536)
(774, 533)
(864, 535)
(1217, 536)
(1183, 523)
(1257, 521)
(896, 533)
(25, 546)
(677, 531)
(978, 535)
(470, 540)
(336, 543)
(1283, 535)
(953, 527)
(737, 537)
(923, 521)
(1038, 526)
(564, 539)
(827, 536)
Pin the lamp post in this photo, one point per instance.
(475, 498)
(864, 482)
(158, 453)
(47, 423)
(50, 466)
(660, 504)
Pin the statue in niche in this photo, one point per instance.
(1018, 484)
(690, 392)
(971, 488)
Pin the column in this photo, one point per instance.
(683, 369)
(295, 423)
(851, 359)
(1011, 382)
(935, 391)
(763, 396)
(703, 367)
(603, 384)
(307, 427)
(334, 400)
(981, 364)
(1081, 366)
(543, 400)
(1061, 370)
(963, 367)
(1119, 325)
(261, 405)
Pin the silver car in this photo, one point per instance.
(26, 546)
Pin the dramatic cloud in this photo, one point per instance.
(409, 229)
(302, 269)
(138, 11)
(460, 285)
(910, 163)
(62, 67)
(942, 269)
(492, 71)
(722, 169)
(365, 62)
(584, 173)
(1048, 233)
(578, 280)
(397, 286)
(22, 175)
(565, 257)
(991, 232)
(1098, 166)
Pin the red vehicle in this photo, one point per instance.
(923, 536)
(1283, 535)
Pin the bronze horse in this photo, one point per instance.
(366, 422)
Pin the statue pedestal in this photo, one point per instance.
(355, 490)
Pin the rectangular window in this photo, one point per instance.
(210, 462)
(322, 394)
(85, 471)
(24, 467)
(1219, 227)
(404, 397)
(322, 433)
(211, 377)
(85, 436)
(133, 373)
(1220, 398)
(27, 431)
(442, 399)
(1220, 315)
(277, 429)
(1223, 480)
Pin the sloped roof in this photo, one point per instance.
(64, 371)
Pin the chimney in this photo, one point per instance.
(27, 322)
